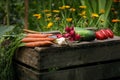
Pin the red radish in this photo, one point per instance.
(77, 37)
(59, 35)
(66, 35)
(110, 33)
(72, 33)
(67, 29)
(71, 39)
(71, 28)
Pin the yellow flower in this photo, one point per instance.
(94, 15)
(84, 17)
(83, 13)
(63, 7)
(102, 11)
(69, 19)
(46, 10)
(57, 18)
(38, 16)
(48, 15)
(50, 24)
(82, 7)
(72, 9)
(56, 11)
(67, 6)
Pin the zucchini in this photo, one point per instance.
(86, 35)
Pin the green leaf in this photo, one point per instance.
(4, 29)
(102, 4)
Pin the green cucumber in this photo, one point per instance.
(86, 35)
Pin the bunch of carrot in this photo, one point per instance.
(37, 40)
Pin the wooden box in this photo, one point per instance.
(95, 60)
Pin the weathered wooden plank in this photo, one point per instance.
(96, 72)
(108, 71)
(24, 73)
(28, 56)
(76, 54)
(79, 56)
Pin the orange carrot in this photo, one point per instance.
(38, 44)
(30, 39)
(49, 34)
(38, 35)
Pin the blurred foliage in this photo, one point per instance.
(115, 14)
(16, 11)
(5, 29)
(82, 13)
(12, 12)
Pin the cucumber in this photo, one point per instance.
(86, 35)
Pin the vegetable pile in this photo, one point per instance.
(82, 34)
(70, 34)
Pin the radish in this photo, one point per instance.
(77, 37)
(59, 35)
(66, 35)
(67, 29)
(71, 28)
(71, 39)
(72, 33)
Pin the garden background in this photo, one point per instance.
(56, 14)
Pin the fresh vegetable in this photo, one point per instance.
(35, 40)
(86, 35)
(70, 34)
(104, 34)
(38, 44)
(67, 29)
(66, 35)
(77, 37)
(59, 35)
(27, 39)
(100, 35)
(61, 41)
(38, 35)
(8, 46)
(110, 33)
